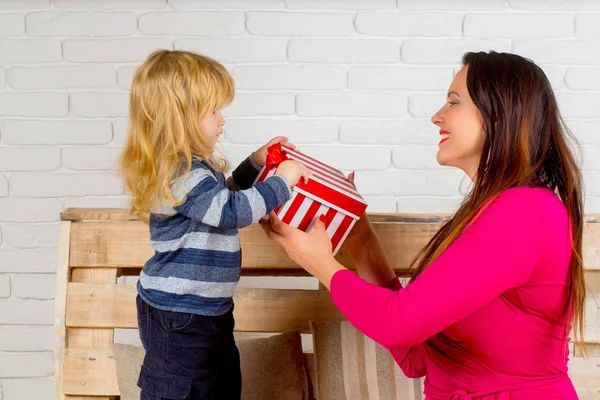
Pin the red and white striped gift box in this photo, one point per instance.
(327, 193)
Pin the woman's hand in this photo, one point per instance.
(311, 251)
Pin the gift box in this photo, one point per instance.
(326, 193)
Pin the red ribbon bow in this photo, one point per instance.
(275, 156)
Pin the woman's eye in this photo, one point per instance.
(452, 103)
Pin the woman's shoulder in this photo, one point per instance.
(536, 202)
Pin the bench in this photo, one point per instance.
(98, 246)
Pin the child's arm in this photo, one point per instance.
(209, 201)
(244, 175)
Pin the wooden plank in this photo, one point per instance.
(90, 373)
(256, 310)
(126, 244)
(87, 338)
(97, 214)
(60, 302)
(585, 374)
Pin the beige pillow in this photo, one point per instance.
(129, 361)
(272, 368)
(350, 366)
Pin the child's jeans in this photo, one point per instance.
(188, 356)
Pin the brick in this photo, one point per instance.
(3, 186)
(592, 183)
(425, 105)
(24, 5)
(290, 77)
(409, 24)
(519, 26)
(579, 104)
(410, 78)
(420, 157)
(90, 158)
(556, 76)
(592, 205)
(352, 104)
(34, 104)
(16, 209)
(25, 312)
(587, 25)
(97, 202)
(191, 23)
(31, 236)
(128, 336)
(343, 51)
(552, 5)
(34, 286)
(272, 23)
(246, 104)
(27, 261)
(26, 338)
(351, 158)
(125, 77)
(29, 159)
(468, 5)
(26, 365)
(446, 51)
(4, 286)
(586, 131)
(111, 4)
(100, 104)
(224, 4)
(62, 77)
(260, 131)
(65, 23)
(16, 389)
(13, 51)
(341, 4)
(119, 128)
(590, 159)
(2, 77)
(404, 131)
(52, 132)
(379, 204)
(63, 184)
(237, 50)
(11, 24)
(112, 50)
(428, 204)
(585, 78)
(410, 183)
(575, 52)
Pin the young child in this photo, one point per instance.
(185, 290)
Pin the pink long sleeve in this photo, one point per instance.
(490, 309)
(497, 252)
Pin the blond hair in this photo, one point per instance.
(171, 92)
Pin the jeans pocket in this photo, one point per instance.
(162, 385)
(176, 321)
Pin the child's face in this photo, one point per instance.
(212, 127)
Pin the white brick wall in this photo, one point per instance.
(353, 82)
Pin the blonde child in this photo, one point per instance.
(185, 290)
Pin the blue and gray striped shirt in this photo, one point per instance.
(197, 260)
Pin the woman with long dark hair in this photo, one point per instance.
(497, 290)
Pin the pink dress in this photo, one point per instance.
(489, 318)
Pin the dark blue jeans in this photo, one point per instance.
(188, 356)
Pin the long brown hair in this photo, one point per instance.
(526, 144)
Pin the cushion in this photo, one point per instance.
(272, 368)
(350, 366)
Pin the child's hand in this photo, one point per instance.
(260, 155)
(292, 171)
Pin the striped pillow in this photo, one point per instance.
(350, 366)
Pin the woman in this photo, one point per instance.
(489, 309)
